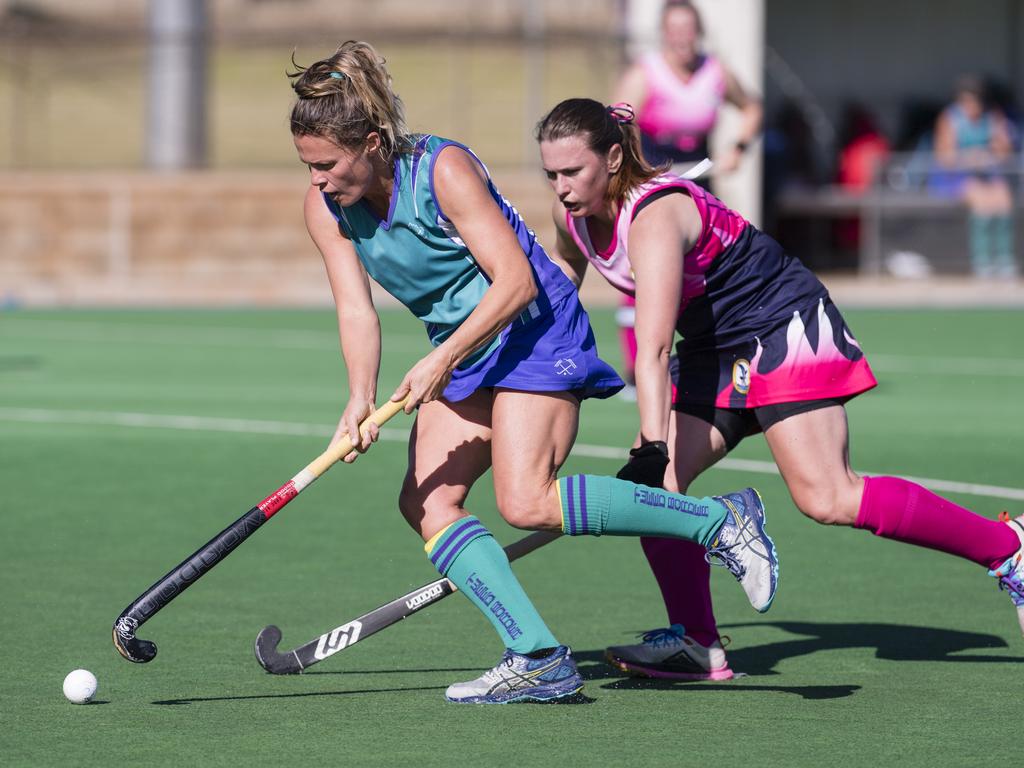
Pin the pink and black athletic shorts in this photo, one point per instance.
(776, 344)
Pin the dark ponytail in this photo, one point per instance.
(602, 128)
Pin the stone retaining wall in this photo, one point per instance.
(221, 239)
(194, 238)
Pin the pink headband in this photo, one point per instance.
(622, 113)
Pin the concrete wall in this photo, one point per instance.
(207, 239)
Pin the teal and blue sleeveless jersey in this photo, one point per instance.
(416, 254)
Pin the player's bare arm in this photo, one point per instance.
(358, 324)
(658, 237)
(752, 115)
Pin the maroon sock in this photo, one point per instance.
(684, 578)
(899, 509)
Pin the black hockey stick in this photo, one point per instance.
(329, 643)
(187, 572)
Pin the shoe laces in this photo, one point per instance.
(745, 536)
(494, 674)
(1010, 574)
(721, 556)
(662, 636)
(1012, 580)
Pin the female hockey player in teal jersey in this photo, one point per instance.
(513, 356)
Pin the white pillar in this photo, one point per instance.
(176, 129)
(735, 32)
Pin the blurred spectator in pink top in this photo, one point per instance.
(678, 91)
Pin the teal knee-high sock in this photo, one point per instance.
(980, 243)
(467, 553)
(593, 504)
(1002, 240)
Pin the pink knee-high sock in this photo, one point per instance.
(684, 578)
(898, 509)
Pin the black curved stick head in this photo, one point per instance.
(128, 645)
(267, 654)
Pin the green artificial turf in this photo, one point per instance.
(873, 653)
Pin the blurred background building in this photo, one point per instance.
(145, 156)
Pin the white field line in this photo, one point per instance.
(253, 426)
(185, 335)
(220, 336)
(182, 336)
(947, 366)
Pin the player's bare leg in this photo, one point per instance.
(449, 449)
(532, 437)
(812, 452)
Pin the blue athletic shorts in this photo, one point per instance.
(552, 352)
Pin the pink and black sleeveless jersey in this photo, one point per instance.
(676, 113)
(737, 281)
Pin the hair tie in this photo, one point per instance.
(622, 113)
(339, 76)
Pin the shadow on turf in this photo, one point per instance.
(809, 692)
(19, 363)
(594, 669)
(892, 642)
(579, 698)
(401, 670)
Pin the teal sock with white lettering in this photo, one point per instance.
(468, 555)
(594, 505)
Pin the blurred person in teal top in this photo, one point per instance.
(513, 357)
(973, 162)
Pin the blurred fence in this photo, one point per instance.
(83, 222)
(73, 96)
(205, 238)
(909, 223)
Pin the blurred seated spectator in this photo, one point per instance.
(863, 149)
(973, 158)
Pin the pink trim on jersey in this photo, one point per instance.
(678, 112)
(720, 229)
(607, 252)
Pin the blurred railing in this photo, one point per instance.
(73, 96)
(208, 238)
(909, 223)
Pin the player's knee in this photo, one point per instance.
(416, 504)
(822, 505)
(527, 509)
(411, 503)
(677, 484)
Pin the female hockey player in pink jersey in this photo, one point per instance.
(763, 349)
